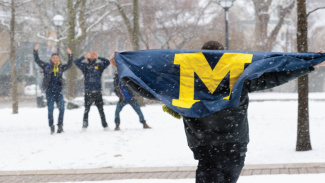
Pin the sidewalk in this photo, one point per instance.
(101, 174)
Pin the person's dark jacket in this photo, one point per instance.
(225, 130)
(50, 81)
(92, 71)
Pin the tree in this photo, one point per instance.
(74, 10)
(13, 59)
(12, 5)
(179, 22)
(170, 23)
(303, 133)
(132, 29)
(82, 17)
(264, 42)
(80, 21)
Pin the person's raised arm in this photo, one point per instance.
(273, 79)
(38, 61)
(105, 62)
(112, 59)
(79, 63)
(270, 80)
(70, 60)
(320, 64)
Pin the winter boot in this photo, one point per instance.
(60, 129)
(52, 129)
(146, 126)
(85, 124)
(117, 127)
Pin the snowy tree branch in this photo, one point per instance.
(315, 10)
(277, 28)
(44, 17)
(125, 18)
(50, 38)
(76, 5)
(22, 3)
(65, 30)
(96, 9)
(80, 24)
(98, 20)
(4, 23)
(5, 4)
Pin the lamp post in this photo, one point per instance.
(226, 5)
(58, 22)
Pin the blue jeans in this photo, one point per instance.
(57, 97)
(135, 105)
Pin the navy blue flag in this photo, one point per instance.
(197, 83)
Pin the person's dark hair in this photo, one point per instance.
(212, 45)
(54, 54)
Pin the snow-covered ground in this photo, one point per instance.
(26, 143)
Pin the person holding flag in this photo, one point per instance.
(126, 97)
(209, 88)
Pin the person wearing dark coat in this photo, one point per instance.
(53, 83)
(92, 72)
(126, 97)
(219, 141)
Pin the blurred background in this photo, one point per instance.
(125, 25)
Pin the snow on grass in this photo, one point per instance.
(26, 143)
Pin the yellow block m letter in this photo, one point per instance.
(191, 63)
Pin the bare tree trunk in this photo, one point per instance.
(261, 21)
(14, 86)
(263, 41)
(136, 27)
(73, 41)
(136, 35)
(303, 135)
(134, 32)
(273, 35)
(261, 31)
(72, 72)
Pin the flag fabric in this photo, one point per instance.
(197, 83)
